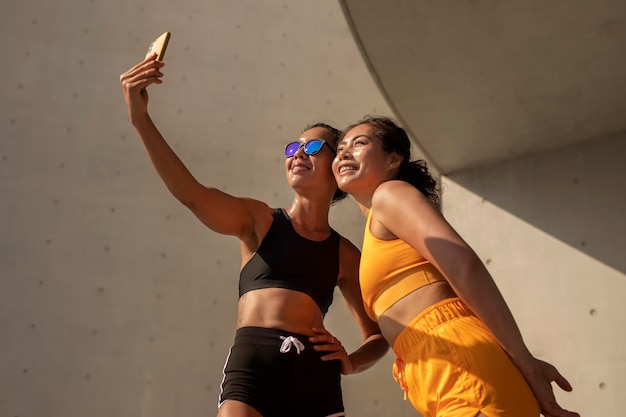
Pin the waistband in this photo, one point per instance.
(267, 336)
(431, 318)
(405, 283)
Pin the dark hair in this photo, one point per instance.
(332, 138)
(395, 139)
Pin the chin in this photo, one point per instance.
(345, 186)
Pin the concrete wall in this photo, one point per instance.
(551, 229)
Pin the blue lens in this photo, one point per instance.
(291, 149)
(313, 146)
(310, 148)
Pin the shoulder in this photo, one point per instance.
(393, 187)
(397, 207)
(393, 193)
(258, 209)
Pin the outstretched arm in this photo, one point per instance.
(221, 212)
(404, 211)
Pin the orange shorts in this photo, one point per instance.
(449, 364)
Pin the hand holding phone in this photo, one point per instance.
(159, 45)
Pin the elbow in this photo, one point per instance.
(374, 349)
(185, 201)
(187, 196)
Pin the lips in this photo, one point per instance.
(299, 168)
(344, 168)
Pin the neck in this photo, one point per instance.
(364, 209)
(364, 201)
(310, 215)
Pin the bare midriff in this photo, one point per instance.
(279, 308)
(393, 320)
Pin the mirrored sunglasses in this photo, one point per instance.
(311, 147)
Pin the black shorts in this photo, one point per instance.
(280, 374)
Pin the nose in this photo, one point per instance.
(342, 153)
(300, 152)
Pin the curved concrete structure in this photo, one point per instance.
(481, 82)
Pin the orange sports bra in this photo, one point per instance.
(389, 270)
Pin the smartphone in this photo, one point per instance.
(158, 46)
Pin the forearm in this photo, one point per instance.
(478, 290)
(177, 178)
(492, 309)
(370, 352)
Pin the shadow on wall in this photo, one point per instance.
(575, 194)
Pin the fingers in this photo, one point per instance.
(558, 412)
(150, 58)
(134, 83)
(562, 382)
(324, 336)
(143, 77)
(540, 378)
(550, 408)
(143, 66)
(550, 373)
(553, 409)
(332, 352)
(325, 342)
(143, 74)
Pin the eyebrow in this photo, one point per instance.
(363, 135)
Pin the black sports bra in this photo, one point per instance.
(287, 260)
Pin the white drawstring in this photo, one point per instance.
(291, 341)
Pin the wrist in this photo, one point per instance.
(139, 120)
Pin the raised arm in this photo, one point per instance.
(220, 211)
(409, 215)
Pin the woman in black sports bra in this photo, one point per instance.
(283, 361)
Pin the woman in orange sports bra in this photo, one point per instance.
(459, 351)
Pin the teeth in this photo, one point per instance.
(299, 168)
(347, 168)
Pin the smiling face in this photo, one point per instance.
(361, 164)
(312, 172)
